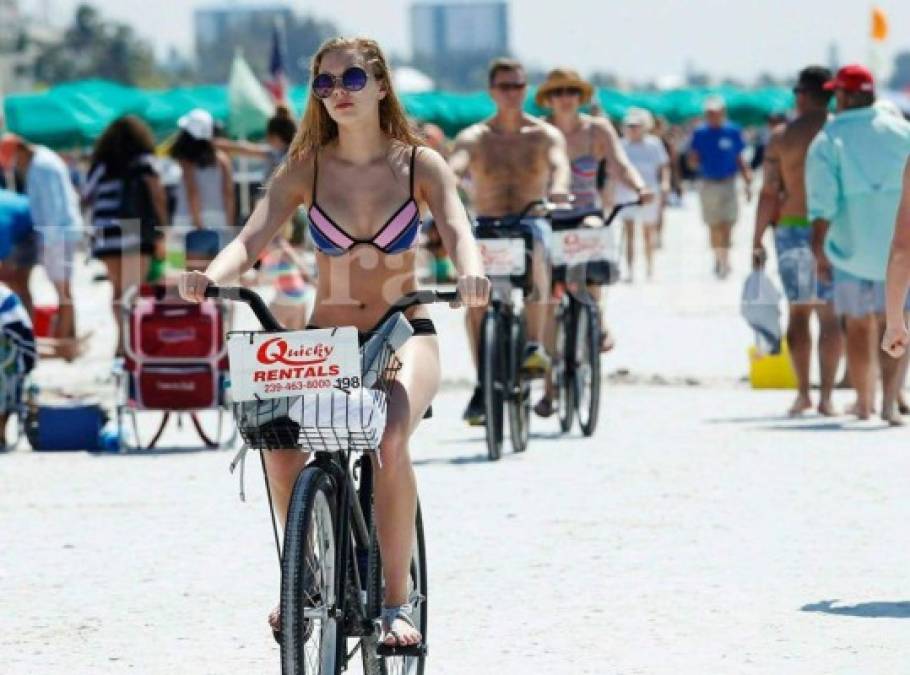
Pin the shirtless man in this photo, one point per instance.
(513, 159)
(783, 202)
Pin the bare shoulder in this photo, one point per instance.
(471, 135)
(601, 127)
(429, 162)
(545, 129)
(295, 174)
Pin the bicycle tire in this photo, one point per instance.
(519, 388)
(563, 369)
(417, 595)
(309, 580)
(491, 367)
(587, 369)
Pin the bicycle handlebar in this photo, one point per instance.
(270, 323)
(617, 208)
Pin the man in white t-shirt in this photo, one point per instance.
(647, 154)
(54, 207)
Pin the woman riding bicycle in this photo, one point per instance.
(355, 160)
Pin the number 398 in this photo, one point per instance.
(347, 382)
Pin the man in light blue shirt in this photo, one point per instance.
(853, 185)
(54, 206)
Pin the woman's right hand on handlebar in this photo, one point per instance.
(192, 285)
(473, 290)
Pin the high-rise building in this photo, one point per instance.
(450, 28)
(220, 31)
(454, 40)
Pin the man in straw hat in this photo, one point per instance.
(513, 159)
(590, 140)
(716, 153)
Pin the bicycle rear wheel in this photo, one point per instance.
(519, 388)
(563, 370)
(491, 354)
(312, 639)
(417, 597)
(587, 367)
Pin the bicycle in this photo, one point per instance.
(581, 255)
(331, 567)
(506, 246)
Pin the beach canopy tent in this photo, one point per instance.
(74, 114)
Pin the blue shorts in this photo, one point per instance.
(856, 297)
(796, 266)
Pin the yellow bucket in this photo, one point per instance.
(772, 371)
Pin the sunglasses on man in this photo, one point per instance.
(510, 86)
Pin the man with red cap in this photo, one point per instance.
(853, 187)
(54, 206)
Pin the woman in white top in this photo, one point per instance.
(649, 157)
(205, 195)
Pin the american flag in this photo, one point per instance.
(277, 84)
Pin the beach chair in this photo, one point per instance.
(175, 364)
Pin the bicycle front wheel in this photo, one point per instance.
(519, 389)
(312, 639)
(491, 354)
(417, 597)
(587, 367)
(563, 370)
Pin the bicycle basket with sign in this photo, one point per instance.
(506, 253)
(313, 390)
(585, 255)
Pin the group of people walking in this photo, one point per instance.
(831, 189)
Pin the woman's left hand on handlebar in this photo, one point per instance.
(473, 290)
(192, 285)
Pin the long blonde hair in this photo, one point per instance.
(317, 128)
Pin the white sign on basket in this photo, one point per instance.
(503, 257)
(278, 365)
(582, 246)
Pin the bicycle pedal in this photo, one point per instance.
(388, 651)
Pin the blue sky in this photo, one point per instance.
(639, 39)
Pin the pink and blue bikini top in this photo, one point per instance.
(399, 234)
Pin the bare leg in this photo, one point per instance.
(396, 487)
(830, 352)
(473, 318)
(725, 239)
(124, 271)
(800, 341)
(893, 373)
(715, 244)
(861, 332)
(17, 280)
(650, 231)
(282, 467)
(538, 306)
(629, 228)
(65, 330)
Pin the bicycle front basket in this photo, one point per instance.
(325, 421)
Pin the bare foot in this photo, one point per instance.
(401, 634)
(800, 405)
(827, 409)
(895, 420)
(275, 619)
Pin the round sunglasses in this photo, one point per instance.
(353, 79)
